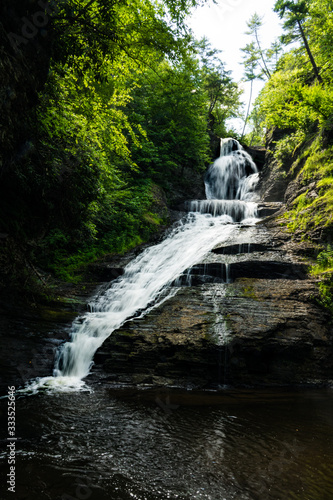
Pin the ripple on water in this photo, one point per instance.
(158, 445)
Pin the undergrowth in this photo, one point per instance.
(311, 215)
(313, 209)
(323, 269)
(118, 227)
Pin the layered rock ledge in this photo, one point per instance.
(260, 326)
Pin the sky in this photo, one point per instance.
(224, 24)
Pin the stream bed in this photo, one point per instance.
(151, 444)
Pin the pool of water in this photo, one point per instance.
(149, 444)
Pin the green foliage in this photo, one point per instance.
(287, 147)
(119, 226)
(324, 270)
(296, 14)
(315, 211)
(256, 136)
(296, 101)
(326, 292)
(324, 261)
(128, 107)
(298, 96)
(293, 12)
(174, 102)
(282, 99)
(90, 33)
(174, 115)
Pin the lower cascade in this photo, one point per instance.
(231, 198)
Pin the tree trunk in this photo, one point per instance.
(266, 70)
(248, 110)
(315, 68)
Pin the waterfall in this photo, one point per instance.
(233, 176)
(237, 210)
(230, 188)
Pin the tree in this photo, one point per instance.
(256, 58)
(274, 52)
(254, 25)
(222, 92)
(170, 104)
(124, 105)
(96, 30)
(295, 13)
(251, 64)
(320, 28)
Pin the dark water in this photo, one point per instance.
(173, 445)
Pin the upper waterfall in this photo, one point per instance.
(232, 176)
(230, 184)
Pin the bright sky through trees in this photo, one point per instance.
(224, 24)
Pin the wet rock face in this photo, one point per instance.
(247, 333)
(228, 273)
(29, 342)
(175, 343)
(264, 328)
(31, 335)
(273, 182)
(279, 335)
(274, 179)
(258, 155)
(269, 208)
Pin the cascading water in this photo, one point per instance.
(230, 183)
(233, 176)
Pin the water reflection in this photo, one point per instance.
(151, 445)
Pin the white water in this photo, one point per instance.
(237, 210)
(147, 279)
(228, 177)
